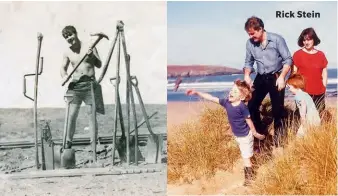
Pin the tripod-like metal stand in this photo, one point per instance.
(129, 100)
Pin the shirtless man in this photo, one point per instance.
(82, 78)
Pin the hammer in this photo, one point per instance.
(100, 36)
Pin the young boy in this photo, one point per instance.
(309, 115)
(239, 119)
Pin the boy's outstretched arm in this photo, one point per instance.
(253, 129)
(203, 95)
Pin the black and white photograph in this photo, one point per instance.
(83, 98)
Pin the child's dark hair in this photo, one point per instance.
(244, 88)
(297, 81)
(308, 33)
(68, 30)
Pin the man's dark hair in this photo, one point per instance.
(308, 33)
(254, 22)
(68, 30)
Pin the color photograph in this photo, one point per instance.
(252, 98)
(83, 105)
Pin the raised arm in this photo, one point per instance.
(203, 95)
(96, 58)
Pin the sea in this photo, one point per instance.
(220, 86)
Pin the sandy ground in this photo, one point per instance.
(13, 127)
(179, 112)
(224, 182)
(88, 185)
(129, 184)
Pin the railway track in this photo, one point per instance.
(81, 172)
(76, 142)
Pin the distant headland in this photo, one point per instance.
(200, 70)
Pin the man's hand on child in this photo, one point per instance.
(280, 83)
(190, 92)
(248, 80)
(258, 136)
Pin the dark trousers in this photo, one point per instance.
(264, 84)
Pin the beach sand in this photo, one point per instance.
(180, 111)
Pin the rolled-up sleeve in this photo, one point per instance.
(284, 52)
(249, 59)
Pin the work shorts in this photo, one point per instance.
(82, 92)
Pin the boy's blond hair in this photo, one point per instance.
(244, 88)
(297, 81)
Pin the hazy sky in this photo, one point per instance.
(213, 32)
(146, 37)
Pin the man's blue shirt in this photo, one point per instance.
(269, 59)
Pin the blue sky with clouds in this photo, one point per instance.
(213, 32)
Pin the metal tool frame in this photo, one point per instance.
(129, 97)
(35, 99)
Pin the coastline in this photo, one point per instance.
(179, 112)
